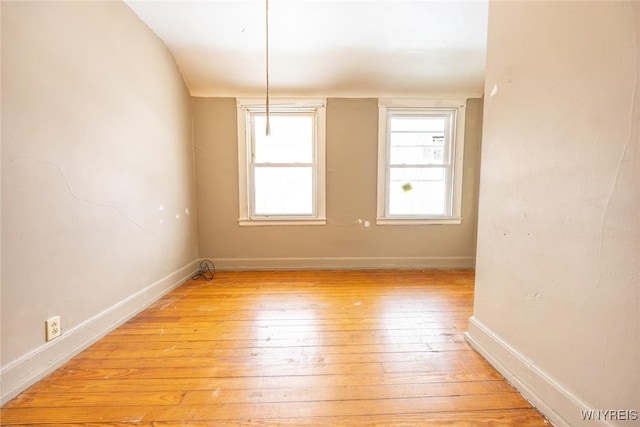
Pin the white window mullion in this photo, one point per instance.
(408, 149)
(293, 165)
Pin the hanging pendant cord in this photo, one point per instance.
(268, 129)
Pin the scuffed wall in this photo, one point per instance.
(558, 266)
(98, 189)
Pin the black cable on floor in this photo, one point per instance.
(207, 271)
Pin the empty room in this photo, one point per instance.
(317, 212)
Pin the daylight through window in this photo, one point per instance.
(283, 173)
(420, 163)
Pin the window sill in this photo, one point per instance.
(243, 222)
(418, 221)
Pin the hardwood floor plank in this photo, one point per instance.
(154, 325)
(241, 383)
(283, 356)
(350, 392)
(517, 417)
(223, 393)
(306, 341)
(305, 348)
(245, 411)
(520, 418)
(187, 349)
(74, 398)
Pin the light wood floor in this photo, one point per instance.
(332, 348)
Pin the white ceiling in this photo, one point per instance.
(325, 47)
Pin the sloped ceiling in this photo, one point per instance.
(345, 48)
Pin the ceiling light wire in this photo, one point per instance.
(268, 127)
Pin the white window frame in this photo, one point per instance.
(247, 106)
(388, 107)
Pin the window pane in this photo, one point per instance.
(418, 123)
(283, 191)
(291, 139)
(417, 148)
(418, 191)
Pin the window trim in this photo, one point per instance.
(245, 106)
(457, 156)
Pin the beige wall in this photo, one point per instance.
(96, 135)
(351, 148)
(557, 303)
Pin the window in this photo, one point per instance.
(420, 148)
(281, 176)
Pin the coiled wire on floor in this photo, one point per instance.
(207, 271)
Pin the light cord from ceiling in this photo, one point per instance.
(268, 129)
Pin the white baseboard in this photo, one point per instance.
(26, 371)
(343, 263)
(559, 405)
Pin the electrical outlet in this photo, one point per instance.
(53, 328)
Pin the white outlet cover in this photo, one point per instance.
(54, 329)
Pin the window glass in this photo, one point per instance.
(418, 152)
(281, 176)
(417, 191)
(290, 139)
(283, 191)
(417, 148)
